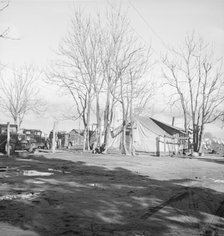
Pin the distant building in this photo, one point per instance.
(75, 139)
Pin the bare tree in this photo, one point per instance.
(179, 97)
(140, 90)
(98, 59)
(109, 54)
(19, 94)
(132, 92)
(96, 47)
(131, 66)
(197, 80)
(81, 94)
(124, 62)
(75, 70)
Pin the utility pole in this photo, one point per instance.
(8, 140)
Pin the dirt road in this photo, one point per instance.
(83, 194)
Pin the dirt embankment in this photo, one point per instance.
(77, 194)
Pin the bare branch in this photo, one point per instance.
(19, 95)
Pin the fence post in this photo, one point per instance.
(157, 147)
(8, 140)
(53, 138)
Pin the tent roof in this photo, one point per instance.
(149, 124)
(171, 130)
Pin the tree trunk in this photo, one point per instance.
(132, 148)
(106, 135)
(107, 119)
(195, 137)
(16, 122)
(123, 140)
(88, 123)
(131, 122)
(98, 118)
(201, 132)
(124, 149)
(185, 121)
(84, 139)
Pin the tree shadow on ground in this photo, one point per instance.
(80, 199)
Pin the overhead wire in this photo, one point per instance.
(149, 44)
(148, 25)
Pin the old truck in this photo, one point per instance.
(32, 139)
(25, 139)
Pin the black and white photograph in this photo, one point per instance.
(111, 118)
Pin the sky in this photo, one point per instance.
(37, 27)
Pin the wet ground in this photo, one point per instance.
(83, 194)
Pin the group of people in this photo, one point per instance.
(97, 149)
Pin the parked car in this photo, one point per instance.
(33, 139)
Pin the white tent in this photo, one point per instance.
(148, 137)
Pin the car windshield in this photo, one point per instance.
(21, 136)
(12, 130)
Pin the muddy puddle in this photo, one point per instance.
(6, 168)
(15, 171)
(3, 169)
(60, 171)
(36, 173)
(23, 196)
(9, 172)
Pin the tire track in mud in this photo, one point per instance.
(177, 197)
(212, 228)
(209, 228)
(186, 192)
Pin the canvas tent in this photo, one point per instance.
(148, 137)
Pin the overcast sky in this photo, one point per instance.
(40, 24)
